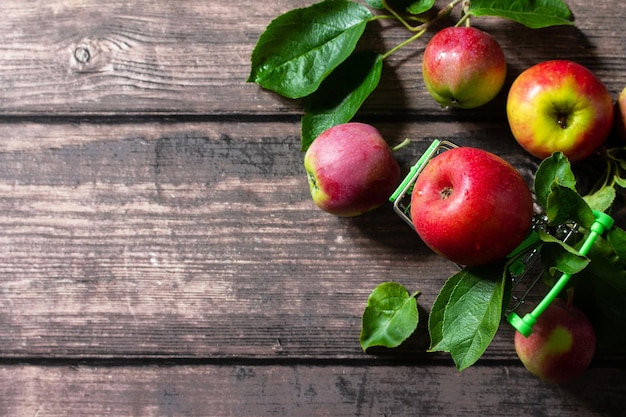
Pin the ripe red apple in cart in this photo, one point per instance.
(471, 206)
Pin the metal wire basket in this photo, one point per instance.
(524, 273)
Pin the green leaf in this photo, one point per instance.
(617, 240)
(411, 6)
(390, 317)
(559, 256)
(340, 95)
(602, 199)
(600, 290)
(298, 49)
(438, 310)
(375, 4)
(420, 6)
(555, 168)
(566, 205)
(531, 13)
(620, 181)
(467, 312)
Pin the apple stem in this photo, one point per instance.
(401, 145)
(403, 44)
(419, 30)
(465, 19)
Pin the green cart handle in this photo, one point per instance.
(524, 325)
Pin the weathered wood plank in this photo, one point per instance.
(179, 262)
(303, 390)
(158, 57)
(196, 240)
(152, 240)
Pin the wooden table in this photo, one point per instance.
(160, 253)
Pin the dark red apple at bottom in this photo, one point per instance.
(471, 206)
(561, 345)
(351, 169)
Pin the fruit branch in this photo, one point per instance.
(404, 43)
(422, 28)
(443, 12)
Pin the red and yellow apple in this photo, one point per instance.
(350, 169)
(559, 106)
(463, 67)
(471, 206)
(561, 345)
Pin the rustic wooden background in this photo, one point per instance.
(159, 251)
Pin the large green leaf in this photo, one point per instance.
(298, 49)
(602, 199)
(467, 312)
(375, 4)
(554, 169)
(390, 317)
(341, 95)
(565, 205)
(617, 240)
(600, 290)
(559, 256)
(420, 6)
(531, 13)
(411, 6)
(436, 319)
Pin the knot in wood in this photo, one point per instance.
(82, 54)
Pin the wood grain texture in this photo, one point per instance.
(189, 240)
(196, 240)
(303, 390)
(159, 251)
(178, 58)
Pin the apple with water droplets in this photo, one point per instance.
(463, 67)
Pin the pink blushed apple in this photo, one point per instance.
(559, 106)
(463, 67)
(471, 206)
(351, 169)
(561, 345)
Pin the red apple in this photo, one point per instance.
(471, 206)
(620, 115)
(561, 345)
(559, 106)
(463, 67)
(351, 169)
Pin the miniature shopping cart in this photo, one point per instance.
(523, 272)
